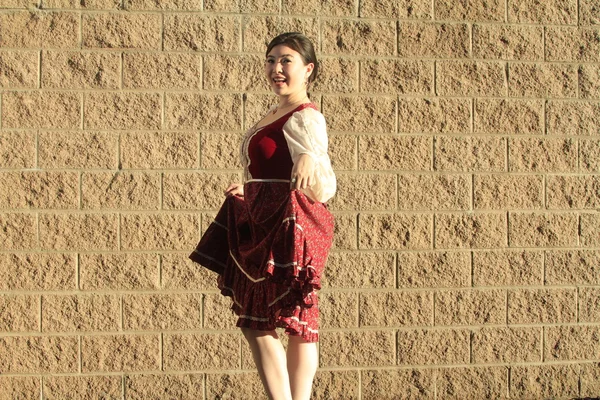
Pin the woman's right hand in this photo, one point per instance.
(235, 189)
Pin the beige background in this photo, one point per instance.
(466, 139)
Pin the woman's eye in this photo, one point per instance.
(285, 60)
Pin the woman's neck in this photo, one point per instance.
(293, 99)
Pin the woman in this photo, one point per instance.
(270, 239)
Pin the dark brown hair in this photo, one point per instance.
(300, 43)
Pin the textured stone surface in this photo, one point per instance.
(470, 78)
(178, 272)
(37, 271)
(446, 40)
(589, 233)
(242, 73)
(589, 12)
(337, 74)
(542, 80)
(396, 309)
(180, 190)
(470, 230)
(434, 192)
(571, 343)
(75, 231)
(343, 152)
(19, 313)
(80, 313)
(542, 306)
(17, 149)
(434, 115)
(360, 114)
(36, 29)
(87, 4)
(398, 153)
(118, 271)
(259, 29)
(19, 387)
(508, 42)
(589, 377)
(589, 81)
(39, 354)
(508, 268)
(328, 8)
(80, 70)
(357, 348)
(508, 116)
(542, 155)
(573, 44)
(39, 190)
(175, 386)
(397, 384)
(159, 231)
(122, 110)
(478, 10)
(112, 353)
(338, 310)
(544, 381)
(157, 150)
(217, 312)
(499, 192)
(162, 311)
(589, 304)
(217, 351)
(341, 385)
(121, 30)
(573, 192)
(202, 111)
(77, 149)
(121, 190)
(470, 307)
(553, 12)
(18, 69)
(358, 37)
(545, 230)
(234, 386)
(162, 71)
(397, 77)
(426, 347)
(433, 269)
(345, 234)
(189, 32)
(365, 192)
(18, 231)
(509, 344)
(481, 383)
(470, 153)
(573, 118)
(190, 5)
(359, 270)
(395, 231)
(22, 110)
(581, 267)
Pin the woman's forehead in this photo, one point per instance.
(282, 50)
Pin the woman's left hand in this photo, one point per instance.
(303, 173)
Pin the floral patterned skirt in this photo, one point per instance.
(269, 249)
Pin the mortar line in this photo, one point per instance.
(122, 66)
(39, 70)
(80, 366)
(160, 263)
(78, 271)
(40, 321)
(508, 380)
(161, 351)
(41, 380)
(160, 191)
(578, 13)
(577, 304)
(162, 31)
(506, 11)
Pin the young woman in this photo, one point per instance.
(270, 239)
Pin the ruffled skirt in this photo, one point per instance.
(270, 249)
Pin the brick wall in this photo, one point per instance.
(466, 139)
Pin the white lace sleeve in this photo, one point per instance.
(306, 133)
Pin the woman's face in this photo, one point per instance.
(286, 71)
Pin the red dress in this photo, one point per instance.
(269, 248)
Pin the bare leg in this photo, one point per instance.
(269, 357)
(302, 363)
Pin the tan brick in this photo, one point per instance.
(171, 5)
(404, 153)
(178, 272)
(341, 385)
(22, 110)
(162, 231)
(180, 190)
(364, 192)
(338, 310)
(162, 71)
(542, 155)
(397, 308)
(155, 150)
(218, 351)
(18, 4)
(197, 32)
(542, 306)
(39, 29)
(76, 231)
(259, 30)
(589, 81)
(217, 312)
(589, 155)
(87, 4)
(434, 115)
(434, 269)
(373, 38)
(345, 236)
(573, 118)
(398, 384)
(20, 387)
(120, 190)
(542, 230)
(478, 10)
(81, 70)
(553, 12)
(572, 44)
(39, 190)
(542, 80)
(122, 110)
(509, 116)
(238, 386)
(240, 73)
(544, 381)
(244, 6)
(184, 387)
(203, 111)
(508, 268)
(19, 231)
(17, 149)
(147, 312)
(589, 378)
(39, 354)
(337, 75)
(589, 232)
(370, 270)
(395, 231)
(360, 113)
(508, 42)
(220, 150)
(357, 348)
(434, 192)
(573, 192)
(478, 383)
(397, 77)
(506, 345)
(470, 154)
(63, 387)
(581, 267)
(256, 106)
(433, 40)
(571, 343)
(470, 307)
(18, 69)
(118, 271)
(121, 30)
(589, 12)
(112, 353)
(500, 192)
(424, 347)
(589, 304)
(470, 78)
(343, 152)
(470, 230)
(37, 271)
(404, 9)
(81, 313)
(76, 149)
(19, 313)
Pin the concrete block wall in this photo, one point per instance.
(466, 139)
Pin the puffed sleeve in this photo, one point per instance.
(306, 133)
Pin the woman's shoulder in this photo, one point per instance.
(306, 115)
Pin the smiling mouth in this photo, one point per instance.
(279, 80)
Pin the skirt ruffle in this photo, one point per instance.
(269, 250)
